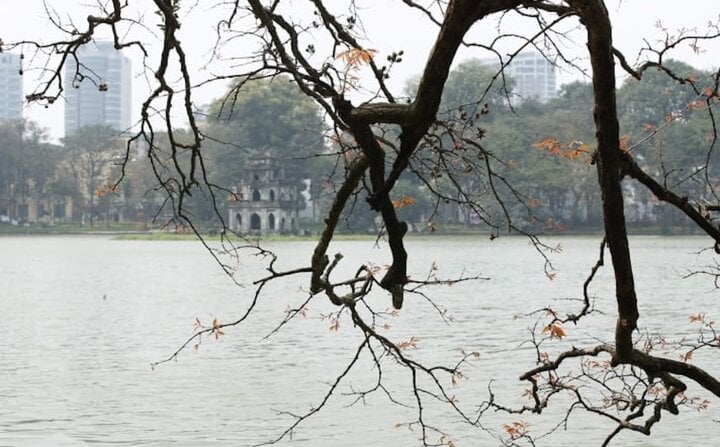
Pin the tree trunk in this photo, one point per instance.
(595, 16)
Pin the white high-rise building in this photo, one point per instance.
(534, 77)
(102, 96)
(11, 87)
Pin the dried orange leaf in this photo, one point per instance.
(554, 330)
(403, 202)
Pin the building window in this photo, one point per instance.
(272, 194)
(22, 212)
(255, 222)
(59, 211)
(256, 195)
(238, 221)
(271, 221)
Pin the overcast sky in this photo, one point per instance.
(388, 27)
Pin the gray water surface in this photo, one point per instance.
(83, 317)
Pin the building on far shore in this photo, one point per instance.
(265, 201)
(11, 87)
(100, 94)
(24, 209)
(534, 75)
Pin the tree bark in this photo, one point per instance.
(609, 165)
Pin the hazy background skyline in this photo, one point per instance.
(634, 21)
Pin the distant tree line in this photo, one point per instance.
(542, 149)
(544, 153)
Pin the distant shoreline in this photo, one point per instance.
(124, 232)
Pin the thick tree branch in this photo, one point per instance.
(662, 193)
(595, 17)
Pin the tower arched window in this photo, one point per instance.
(255, 224)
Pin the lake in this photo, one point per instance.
(83, 317)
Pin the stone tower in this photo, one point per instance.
(266, 201)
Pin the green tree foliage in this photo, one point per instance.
(474, 84)
(541, 149)
(27, 165)
(563, 182)
(559, 188)
(262, 117)
(91, 151)
(657, 98)
(475, 97)
(665, 125)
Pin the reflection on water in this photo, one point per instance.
(83, 318)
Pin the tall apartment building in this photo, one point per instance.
(103, 97)
(11, 87)
(534, 76)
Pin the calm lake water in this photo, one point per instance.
(82, 318)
